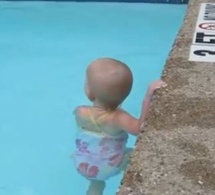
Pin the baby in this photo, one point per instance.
(103, 127)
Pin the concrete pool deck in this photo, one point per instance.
(175, 155)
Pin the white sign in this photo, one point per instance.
(204, 38)
(207, 26)
(206, 13)
(202, 53)
(203, 46)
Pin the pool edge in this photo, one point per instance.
(176, 152)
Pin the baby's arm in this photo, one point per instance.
(133, 125)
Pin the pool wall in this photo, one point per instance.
(175, 154)
(128, 1)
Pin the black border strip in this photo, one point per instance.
(122, 1)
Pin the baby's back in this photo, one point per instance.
(97, 120)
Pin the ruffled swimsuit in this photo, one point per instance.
(99, 156)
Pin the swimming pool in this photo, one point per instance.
(44, 50)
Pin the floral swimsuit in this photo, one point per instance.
(99, 156)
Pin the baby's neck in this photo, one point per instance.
(101, 106)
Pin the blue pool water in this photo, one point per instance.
(44, 50)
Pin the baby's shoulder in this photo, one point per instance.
(120, 115)
(82, 111)
(119, 111)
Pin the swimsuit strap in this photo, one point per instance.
(92, 118)
(96, 121)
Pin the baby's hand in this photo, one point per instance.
(157, 85)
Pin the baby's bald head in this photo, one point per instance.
(109, 82)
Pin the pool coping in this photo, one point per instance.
(175, 154)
